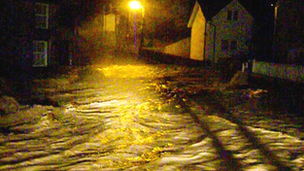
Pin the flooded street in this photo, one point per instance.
(145, 117)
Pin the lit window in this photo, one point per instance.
(42, 15)
(40, 53)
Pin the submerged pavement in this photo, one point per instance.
(147, 117)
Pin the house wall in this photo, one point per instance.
(180, 48)
(211, 42)
(198, 36)
(239, 31)
(113, 31)
(54, 38)
(19, 32)
(16, 32)
(109, 30)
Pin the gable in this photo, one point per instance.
(211, 8)
(234, 6)
(195, 10)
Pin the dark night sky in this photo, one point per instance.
(167, 19)
(172, 15)
(162, 11)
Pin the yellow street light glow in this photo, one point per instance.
(134, 5)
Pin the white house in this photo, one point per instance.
(219, 29)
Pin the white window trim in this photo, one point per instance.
(42, 15)
(44, 54)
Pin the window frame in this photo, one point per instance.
(42, 15)
(225, 45)
(232, 45)
(229, 45)
(229, 15)
(235, 15)
(43, 53)
(232, 15)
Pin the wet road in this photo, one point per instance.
(143, 117)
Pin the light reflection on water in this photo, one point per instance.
(120, 121)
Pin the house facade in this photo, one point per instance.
(219, 30)
(114, 29)
(34, 34)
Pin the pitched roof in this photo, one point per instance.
(212, 7)
(259, 9)
(209, 7)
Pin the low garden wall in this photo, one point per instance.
(283, 71)
(156, 55)
(180, 48)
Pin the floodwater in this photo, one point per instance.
(132, 117)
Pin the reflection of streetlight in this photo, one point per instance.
(136, 5)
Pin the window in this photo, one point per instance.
(108, 8)
(225, 45)
(71, 2)
(229, 15)
(232, 15)
(301, 55)
(40, 53)
(229, 45)
(235, 15)
(42, 15)
(233, 45)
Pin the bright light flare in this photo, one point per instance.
(134, 5)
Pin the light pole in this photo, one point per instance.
(136, 5)
(276, 6)
(142, 27)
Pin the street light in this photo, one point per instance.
(136, 5)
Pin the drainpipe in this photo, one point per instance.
(116, 31)
(213, 43)
(205, 40)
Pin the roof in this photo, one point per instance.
(209, 7)
(260, 10)
(212, 7)
(257, 8)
